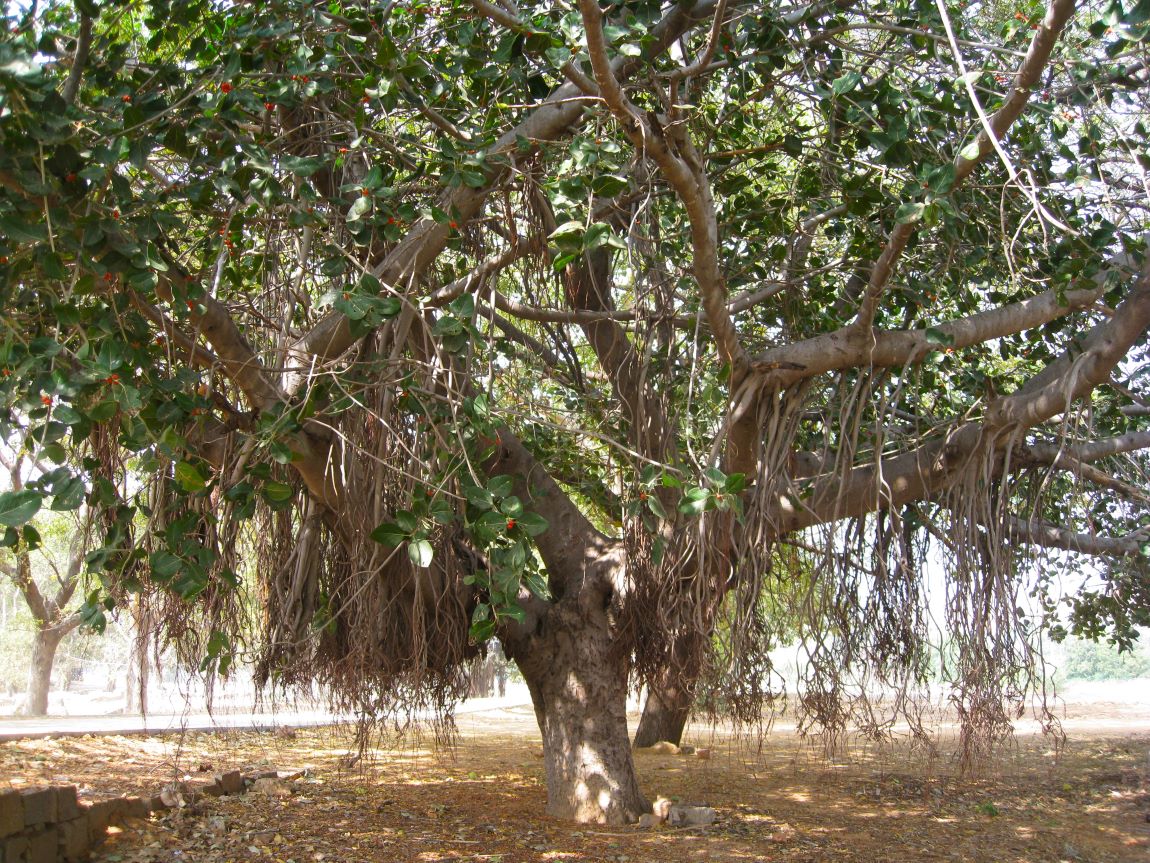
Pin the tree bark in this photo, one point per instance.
(44, 645)
(578, 683)
(665, 714)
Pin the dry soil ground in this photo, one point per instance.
(782, 799)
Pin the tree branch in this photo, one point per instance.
(1052, 536)
(670, 147)
(79, 60)
(555, 116)
(941, 461)
(994, 129)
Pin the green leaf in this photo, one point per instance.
(909, 213)
(655, 507)
(189, 478)
(407, 522)
(532, 523)
(420, 552)
(971, 151)
(18, 507)
(278, 492)
(537, 584)
(845, 83)
(511, 507)
(482, 630)
(389, 534)
(736, 482)
(501, 486)
(359, 209)
(70, 495)
(478, 497)
(935, 336)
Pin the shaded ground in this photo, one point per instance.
(783, 800)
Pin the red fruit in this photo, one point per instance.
(365, 191)
(391, 220)
(5, 372)
(511, 524)
(269, 106)
(191, 306)
(343, 149)
(3, 259)
(453, 224)
(46, 400)
(225, 87)
(112, 379)
(115, 214)
(125, 98)
(71, 178)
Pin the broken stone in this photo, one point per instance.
(661, 808)
(691, 816)
(647, 821)
(703, 754)
(174, 795)
(272, 787)
(231, 782)
(663, 747)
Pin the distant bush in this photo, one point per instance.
(1098, 660)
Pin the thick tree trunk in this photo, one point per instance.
(671, 695)
(44, 645)
(578, 684)
(665, 715)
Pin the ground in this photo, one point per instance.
(779, 799)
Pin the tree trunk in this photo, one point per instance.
(44, 644)
(665, 714)
(578, 684)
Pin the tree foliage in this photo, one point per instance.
(458, 315)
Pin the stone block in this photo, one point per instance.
(42, 846)
(691, 816)
(75, 839)
(39, 806)
(67, 804)
(139, 807)
(101, 815)
(11, 813)
(210, 789)
(14, 849)
(231, 782)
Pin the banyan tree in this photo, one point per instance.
(632, 334)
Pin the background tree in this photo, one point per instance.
(554, 321)
(48, 599)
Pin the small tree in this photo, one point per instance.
(51, 615)
(552, 321)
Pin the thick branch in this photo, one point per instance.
(1052, 536)
(940, 462)
(1090, 451)
(844, 349)
(79, 59)
(670, 147)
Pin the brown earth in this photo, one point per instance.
(779, 799)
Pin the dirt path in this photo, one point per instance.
(483, 801)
